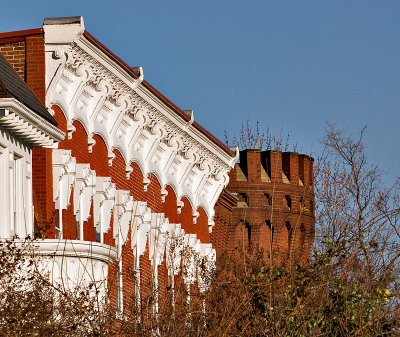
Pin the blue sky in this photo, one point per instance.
(298, 62)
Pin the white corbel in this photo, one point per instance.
(195, 216)
(157, 241)
(205, 269)
(158, 238)
(122, 215)
(91, 143)
(128, 170)
(146, 183)
(64, 166)
(211, 224)
(103, 205)
(174, 248)
(84, 191)
(179, 205)
(111, 156)
(164, 194)
(173, 253)
(141, 222)
(190, 258)
(206, 266)
(190, 262)
(70, 129)
(140, 78)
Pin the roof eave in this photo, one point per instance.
(27, 125)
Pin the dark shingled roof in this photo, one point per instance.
(11, 85)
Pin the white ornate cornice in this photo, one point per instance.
(27, 125)
(94, 88)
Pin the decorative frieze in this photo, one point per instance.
(91, 87)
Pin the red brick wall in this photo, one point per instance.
(27, 56)
(275, 225)
(14, 53)
(26, 53)
(35, 65)
(222, 219)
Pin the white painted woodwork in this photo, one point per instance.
(103, 204)
(84, 191)
(93, 88)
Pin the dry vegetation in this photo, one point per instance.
(350, 287)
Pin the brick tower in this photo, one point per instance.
(275, 204)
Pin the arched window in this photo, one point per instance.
(289, 234)
(248, 229)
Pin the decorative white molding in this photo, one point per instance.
(123, 209)
(103, 205)
(195, 216)
(84, 190)
(158, 238)
(70, 129)
(206, 266)
(146, 182)
(64, 166)
(28, 125)
(190, 258)
(70, 263)
(128, 170)
(157, 241)
(179, 205)
(140, 227)
(90, 86)
(164, 194)
(111, 157)
(91, 143)
(174, 248)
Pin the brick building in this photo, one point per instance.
(128, 181)
(134, 182)
(273, 208)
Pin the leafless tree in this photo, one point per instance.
(349, 288)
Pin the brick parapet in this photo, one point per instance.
(275, 203)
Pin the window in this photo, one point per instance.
(268, 199)
(16, 210)
(243, 200)
(287, 201)
(17, 199)
(271, 230)
(57, 224)
(248, 227)
(289, 234)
